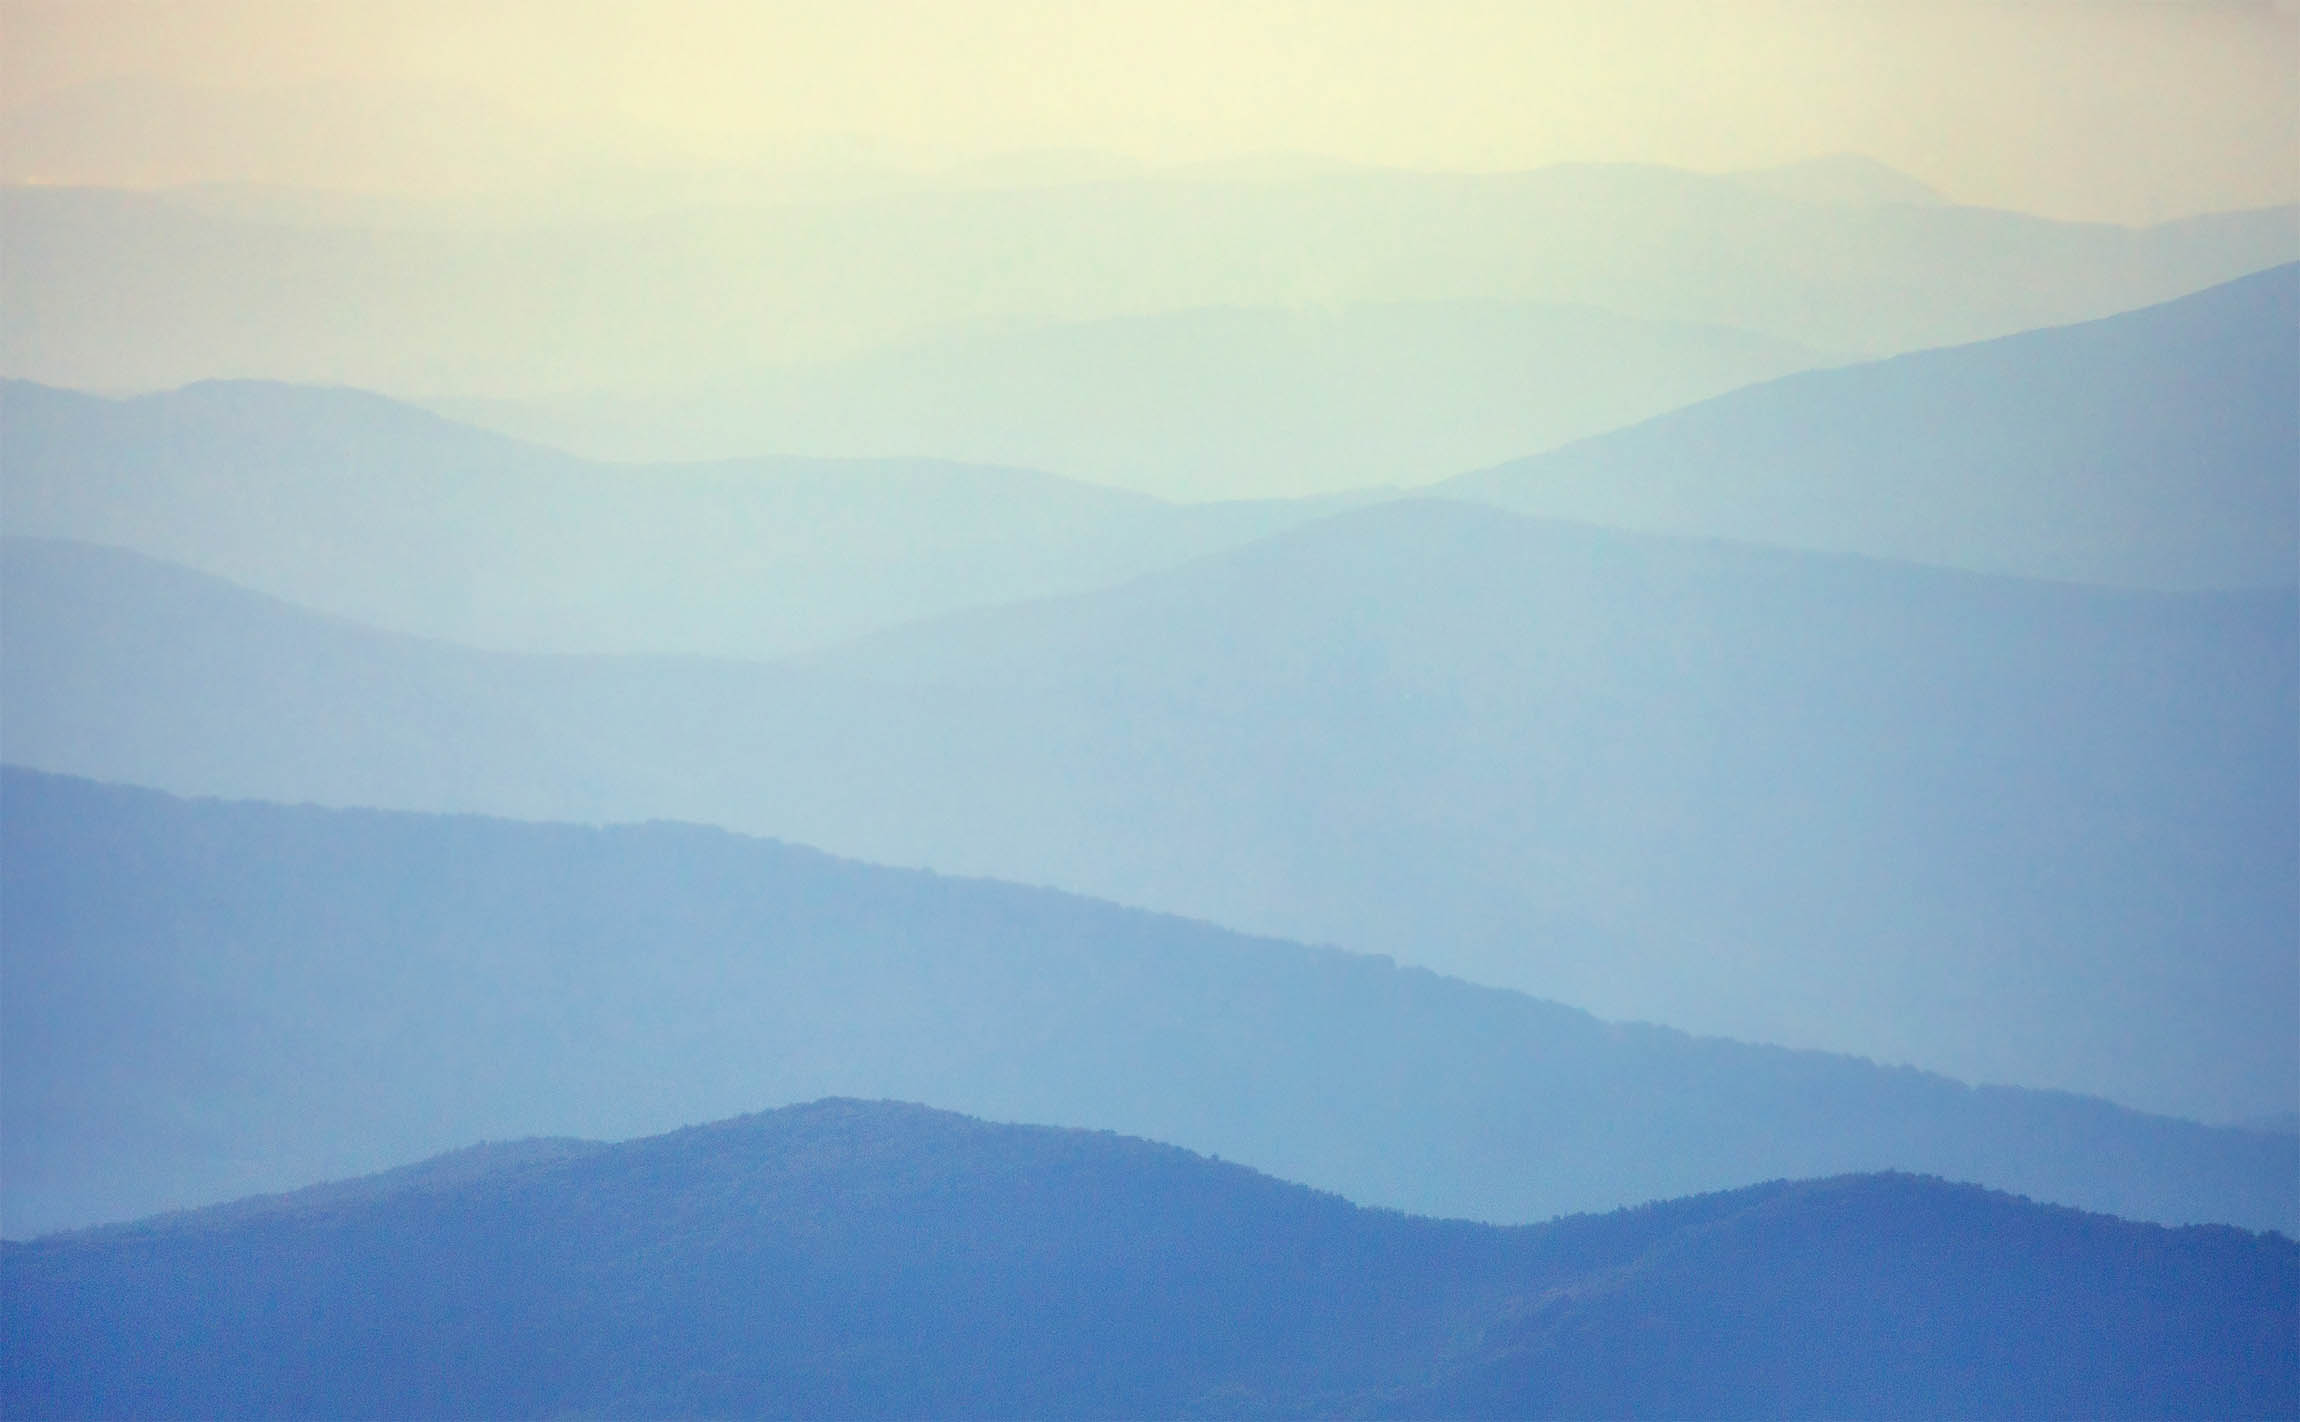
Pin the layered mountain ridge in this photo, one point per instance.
(355, 505)
(203, 999)
(881, 1260)
(120, 289)
(2155, 448)
(667, 755)
(2013, 831)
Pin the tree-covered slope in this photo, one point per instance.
(852, 1259)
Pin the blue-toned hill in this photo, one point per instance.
(199, 1000)
(2011, 831)
(349, 503)
(2156, 448)
(876, 1260)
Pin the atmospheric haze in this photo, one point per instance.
(1687, 613)
(2118, 112)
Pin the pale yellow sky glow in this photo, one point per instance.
(2129, 112)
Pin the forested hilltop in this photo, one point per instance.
(876, 1260)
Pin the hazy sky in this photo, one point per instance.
(2114, 110)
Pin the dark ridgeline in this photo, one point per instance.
(201, 1000)
(872, 1260)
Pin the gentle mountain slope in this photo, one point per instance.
(869, 1260)
(352, 504)
(1724, 1318)
(1844, 180)
(120, 290)
(1217, 403)
(200, 1000)
(2017, 832)
(2159, 448)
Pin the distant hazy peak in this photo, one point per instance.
(275, 410)
(270, 415)
(2152, 448)
(1842, 180)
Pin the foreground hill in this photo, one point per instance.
(357, 505)
(200, 1000)
(2158, 448)
(865, 1260)
(2011, 831)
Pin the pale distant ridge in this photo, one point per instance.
(129, 290)
(2159, 448)
(1203, 403)
(1842, 179)
(349, 503)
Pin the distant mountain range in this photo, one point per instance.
(1392, 712)
(201, 1000)
(1210, 403)
(355, 505)
(129, 290)
(1845, 180)
(2158, 448)
(2014, 831)
(342, 152)
(850, 1259)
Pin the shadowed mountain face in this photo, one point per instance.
(2160, 448)
(878, 1260)
(2018, 832)
(352, 504)
(201, 1000)
(127, 290)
